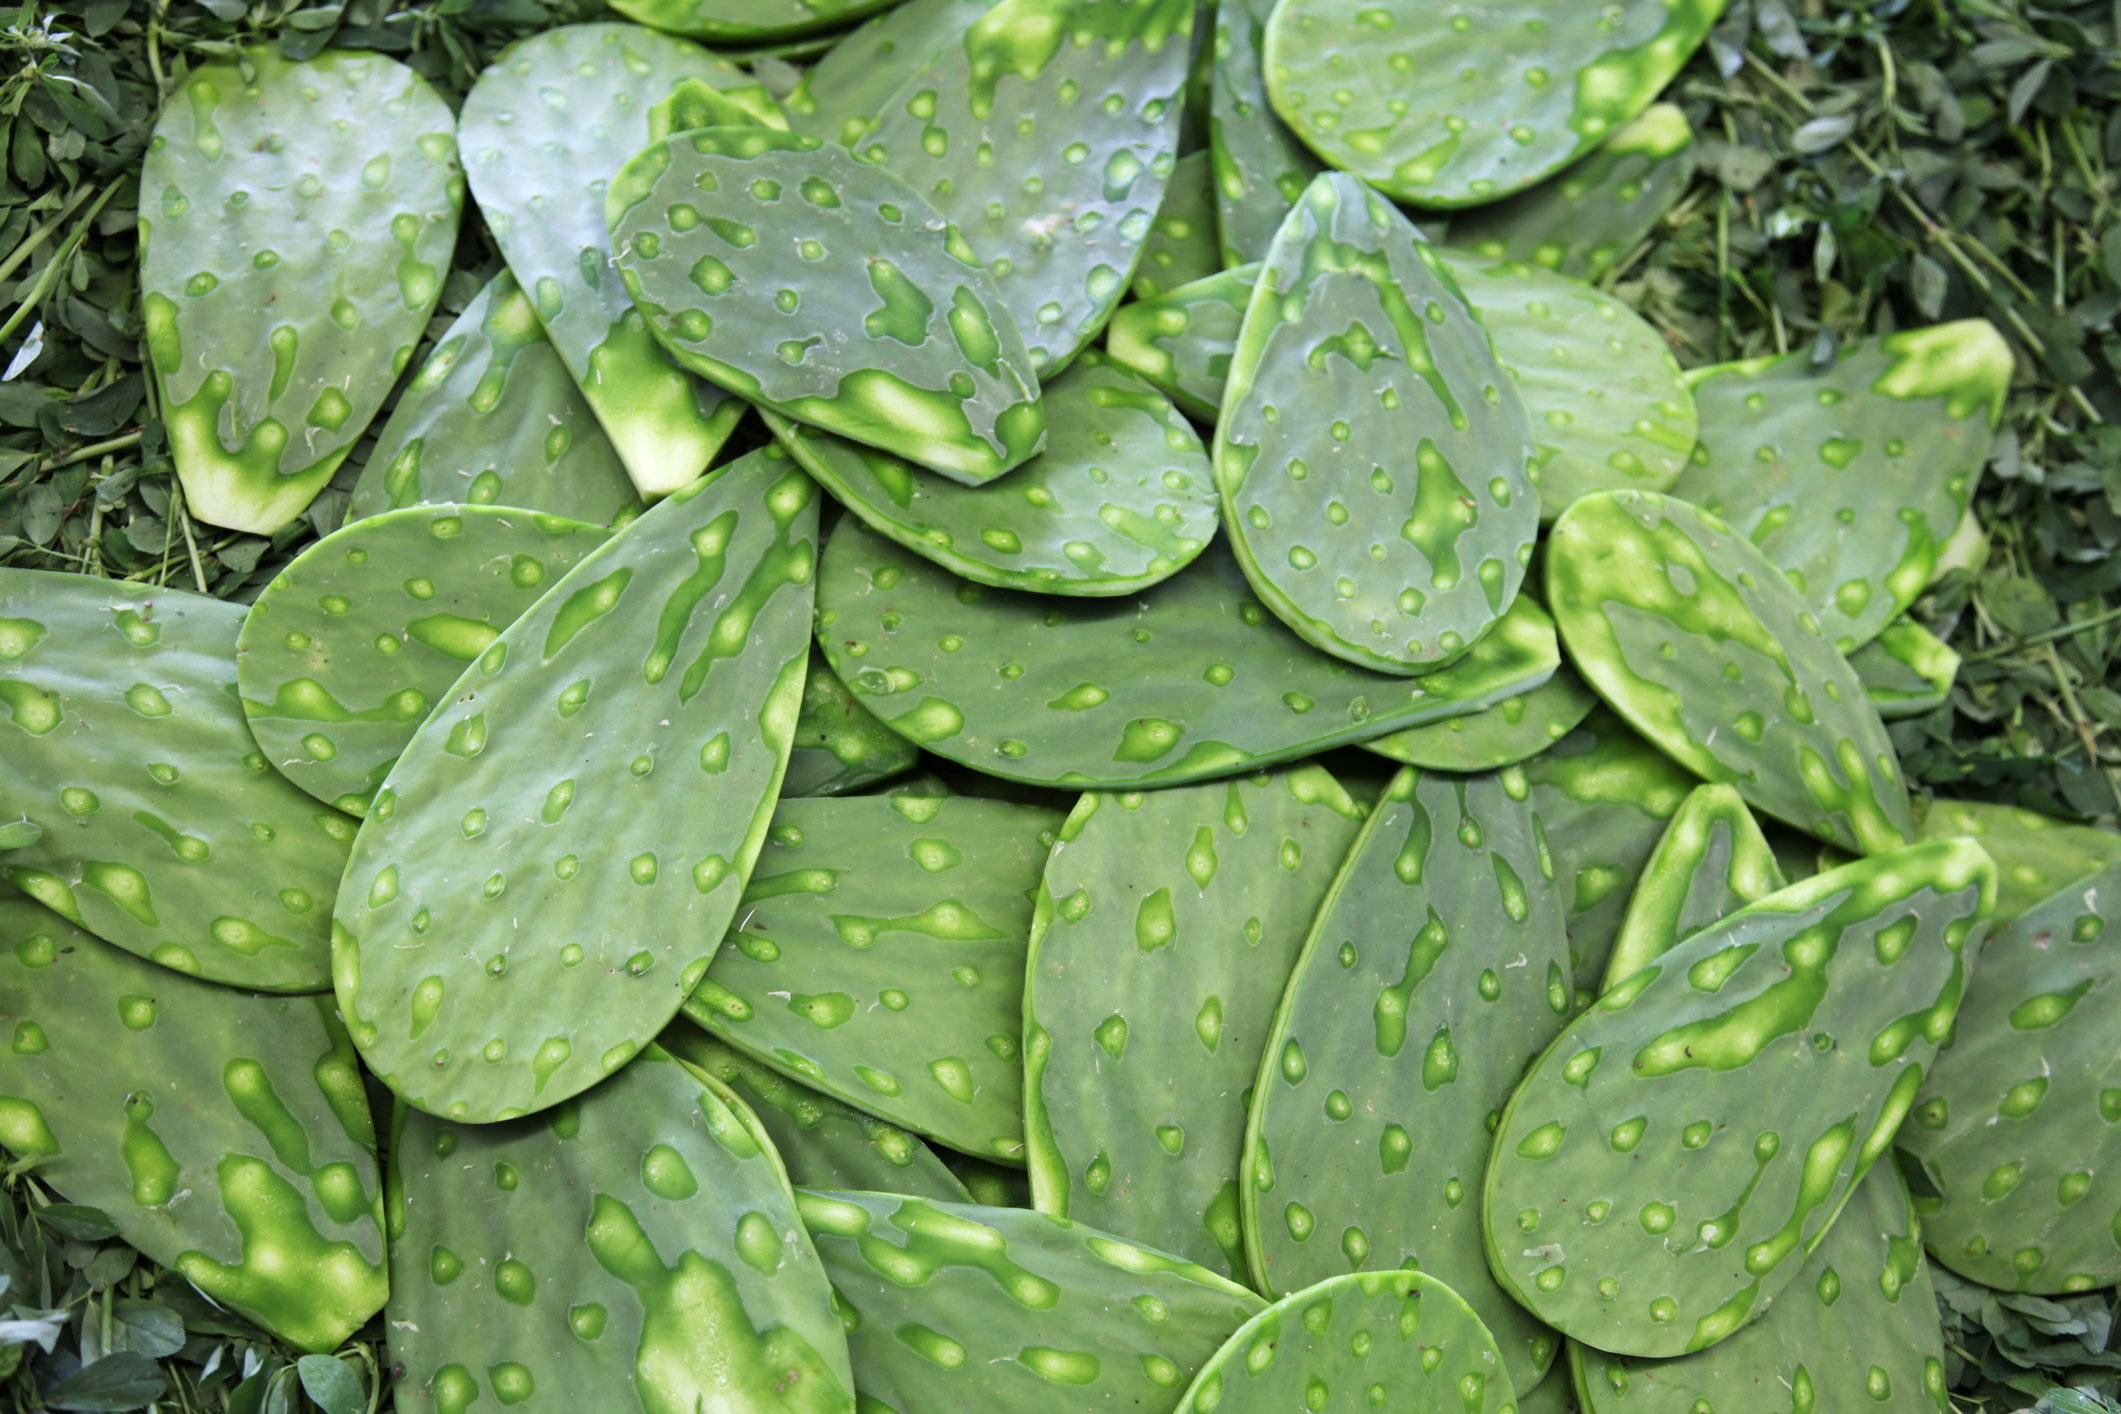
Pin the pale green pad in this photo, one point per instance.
(746, 21)
(1712, 861)
(1181, 246)
(2036, 856)
(1512, 730)
(840, 95)
(1182, 340)
(840, 746)
(1906, 670)
(1261, 168)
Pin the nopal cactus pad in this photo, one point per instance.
(1851, 478)
(1181, 246)
(840, 746)
(1712, 861)
(1682, 624)
(1261, 168)
(1906, 670)
(2036, 855)
(951, 1307)
(493, 418)
(641, 1238)
(730, 22)
(1459, 107)
(1434, 971)
(879, 957)
(1085, 692)
(2021, 1114)
(1160, 916)
(513, 933)
(297, 221)
(896, 337)
(350, 647)
(1123, 495)
(1371, 453)
(1182, 340)
(1513, 730)
(166, 830)
(841, 94)
(1651, 1201)
(226, 1134)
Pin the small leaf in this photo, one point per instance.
(1927, 282)
(146, 1326)
(1821, 134)
(124, 1380)
(332, 1384)
(81, 1224)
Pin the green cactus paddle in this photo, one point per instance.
(1261, 168)
(1182, 340)
(1181, 246)
(2036, 856)
(1712, 861)
(841, 94)
(1511, 731)
(729, 22)
(840, 746)
(1906, 670)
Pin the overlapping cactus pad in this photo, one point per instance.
(840, 746)
(2017, 1130)
(893, 335)
(1436, 969)
(1511, 731)
(1371, 454)
(1144, 1018)
(639, 1244)
(519, 921)
(226, 1135)
(840, 96)
(165, 828)
(1261, 168)
(1906, 670)
(1181, 246)
(349, 648)
(1087, 693)
(1459, 107)
(1712, 861)
(1670, 1163)
(1183, 339)
(1686, 628)
(2036, 856)
(745, 23)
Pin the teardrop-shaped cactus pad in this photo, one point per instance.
(1895, 431)
(1080, 692)
(543, 130)
(1906, 670)
(951, 1308)
(1047, 133)
(1712, 861)
(1357, 1343)
(1392, 541)
(2020, 1116)
(1608, 405)
(552, 862)
(1181, 246)
(880, 958)
(1603, 795)
(493, 419)
(166, 830)
(299, 221)
(895, 338)
(1556, 1394)
(1530, 87)
(990, 1185)
(1182, 340)
(350, 647)
(746, 21)
(1261, 168)
(1584, 219)
(1435, 971)
(1122, 497)
(640, 1240)
(2036, 855)
(1511, 731)
(841, 94)
(822, 1143)
(1857, 1329)
(840, 746)
(1682, 624)
(1166, 923)
(226, 1134)
(1653, 1205)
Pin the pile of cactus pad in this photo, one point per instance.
(1365, 788)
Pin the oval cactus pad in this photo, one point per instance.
(841, 94)
(225, 1134)
(350, 647)
(1450, 106)
(298, 222)
(840, 746)
(951, 1307)
(166, 830)
(1651, 1201)
(1160, 915)
(640, 1240)
(745, 21)
(2036, 855)
(1372, 454)
(1691, 634)
(1181, 246)
(1906, 670)
(1712, 861)
(1436, 969)
(519, 920)
(1511, 731)
(892, 336)
(1084, 692)
(1261, 168)
(880, 957)
(1182, 340)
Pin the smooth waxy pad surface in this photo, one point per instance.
(1435, 970)
(1692, 635)
(1371, 453)
(892, 334)
(226, 1135)
(744, 21)
(840, 746)
(840, 95)
(1261, 168)
(880, 958)
(1181, 246)
(2036, 856)
(166, 830)
(1077, 693)
(639, 1242)
(1159, 918)
(951, 1307)
(1511, 731)
(1183, 339)
(521, 915)
(1906, 670)
(1712, 861)
(1667, 1167)
(350, 647)
(295, 230)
